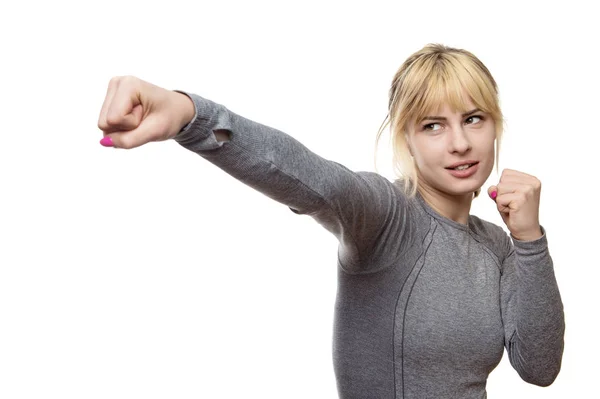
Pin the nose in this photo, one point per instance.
(458, 140)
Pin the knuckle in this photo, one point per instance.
(114, 81)
(113, 119)
(102, 125)
(129, 80)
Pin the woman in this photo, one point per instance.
(428, 295)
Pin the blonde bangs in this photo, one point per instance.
(449, 81)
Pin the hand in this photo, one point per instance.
(136, 112)
(518, 201)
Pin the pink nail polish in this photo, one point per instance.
(494, 194)
(107, 142)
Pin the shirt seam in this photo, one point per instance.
(406, 307)
(489, 250)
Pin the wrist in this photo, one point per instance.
(528, 236)
(185, 108)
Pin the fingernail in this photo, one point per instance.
(493, 194)
(107, 142)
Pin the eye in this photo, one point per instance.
(474, 119)
(430, 126)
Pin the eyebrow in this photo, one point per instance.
(441, 118)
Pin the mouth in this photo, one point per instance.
(462, 165)
(465, 170)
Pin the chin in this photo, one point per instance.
(464, 192)
(464, 187)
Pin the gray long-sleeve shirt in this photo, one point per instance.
(425, 305)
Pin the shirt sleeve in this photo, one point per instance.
(532, 311)
(362, 209)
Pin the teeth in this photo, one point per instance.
(462, 167)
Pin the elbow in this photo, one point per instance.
(542, 381)
(544, 377)
(545, 381)
(540, 364)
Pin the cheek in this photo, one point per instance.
(486, 141)
(427, 160)
(426, 149)
(490, 153)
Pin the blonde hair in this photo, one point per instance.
(432, 76)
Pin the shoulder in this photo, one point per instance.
(491, 236)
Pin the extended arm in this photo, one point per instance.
(357, 207)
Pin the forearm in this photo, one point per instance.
(536, 347)
(262, 157)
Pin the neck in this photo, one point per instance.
(454, 207)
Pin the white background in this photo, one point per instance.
(151, 273)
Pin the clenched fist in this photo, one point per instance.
(136, 112)
(517, 197)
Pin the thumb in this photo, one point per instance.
(492, 192)
(147, 131)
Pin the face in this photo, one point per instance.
(445, 138)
